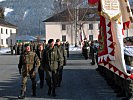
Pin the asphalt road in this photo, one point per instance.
(80, 81)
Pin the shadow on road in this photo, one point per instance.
(9, 88)
(76, 56)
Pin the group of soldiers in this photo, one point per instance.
(19, 47)
(89, 50)
(49, 59)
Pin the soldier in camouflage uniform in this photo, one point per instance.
(27, 64)
(50, 60)
(63, 54)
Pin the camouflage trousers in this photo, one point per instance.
(24, 82)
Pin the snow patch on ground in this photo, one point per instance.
(8, 50)
(73, 48)
(5, 50)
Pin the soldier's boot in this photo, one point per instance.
(34, 88)
(53, 92)
(22, 95)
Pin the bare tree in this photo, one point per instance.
(73, 7)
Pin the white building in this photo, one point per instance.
(62, 25)
(7, 33)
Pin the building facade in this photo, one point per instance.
(66, 32)
(7, 34)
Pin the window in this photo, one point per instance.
(6, 31)
(63, 27)
(90, 26)
(91, 37)
(2, 41)
(6, 41)
(63, 38)
(1, 30)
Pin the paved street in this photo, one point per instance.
(80, 81)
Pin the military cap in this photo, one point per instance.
(57, 40)
(50, 40)
(27, 45)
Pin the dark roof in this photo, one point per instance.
(7, 24)
(90, 14)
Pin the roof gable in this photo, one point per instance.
(84, 14)
(6, 24)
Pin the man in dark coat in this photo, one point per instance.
(50, 60)
(63, 54)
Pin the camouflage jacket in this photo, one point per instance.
(28, 62)
(51, 59)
